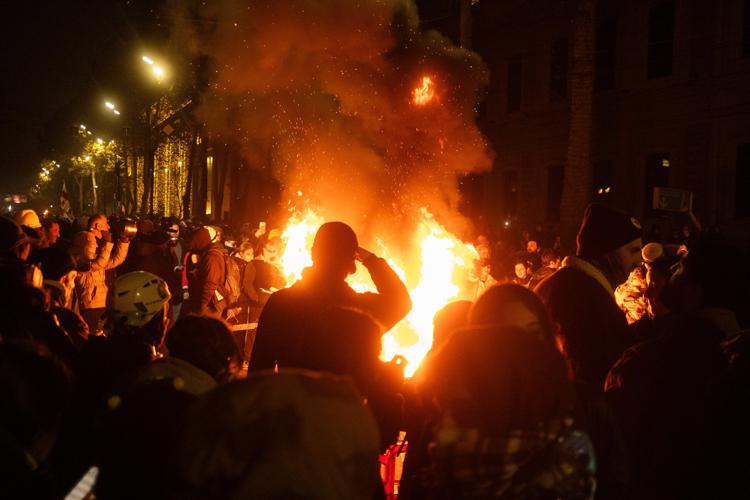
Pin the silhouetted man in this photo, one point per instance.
(287, 317)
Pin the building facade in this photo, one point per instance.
(671, 104)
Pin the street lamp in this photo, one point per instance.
(156, 69)
(111, 107)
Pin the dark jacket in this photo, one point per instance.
(592, 327)
(658, 390)
(258, 278)
(282, 323)
(206, 282)
(595, 416)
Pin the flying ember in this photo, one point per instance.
(424, 93)
(441, 275)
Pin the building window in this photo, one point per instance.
(660, 40)
(555, 179)
(515, 83)
(746, 29)
(605, 55)
(209, 184)
(657, 175)
(558, 70)
(602, 178)
(742, 181)
(510, 193)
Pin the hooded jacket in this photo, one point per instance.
(206, 281)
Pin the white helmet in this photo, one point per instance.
(138, 296)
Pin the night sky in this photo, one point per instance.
(60, 61)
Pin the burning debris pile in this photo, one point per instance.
(362, 118)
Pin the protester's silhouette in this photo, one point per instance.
(284, 322)
(503, 422)
(660, 388)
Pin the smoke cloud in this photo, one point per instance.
(321, 93)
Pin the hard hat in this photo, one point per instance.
(214, 233)
(27, 217)
(274, 233)
(138, 296)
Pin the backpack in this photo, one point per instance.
(232, 279)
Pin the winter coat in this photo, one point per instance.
(555, 461)
(592, 326)
(91, 282)
(206, 281)
(258, 278)
(281, 327)
(286, 435)
(659, 390)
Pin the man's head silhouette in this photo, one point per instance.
(335, 248)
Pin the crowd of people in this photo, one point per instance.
(154, 359)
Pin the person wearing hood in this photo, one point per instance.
(207, 277)
(580, 296)
(282, 322)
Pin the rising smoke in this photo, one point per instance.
(320, 93)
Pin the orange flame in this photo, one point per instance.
(424, 93)
(445, 263)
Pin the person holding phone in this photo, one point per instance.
(284, 326)
(95, 253)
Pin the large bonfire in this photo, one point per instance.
(443, 274)
(361, 117)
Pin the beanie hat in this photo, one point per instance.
(29, 218)
(605, 229)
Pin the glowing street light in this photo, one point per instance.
(157, 70)
(110, 106)
(82, 126)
